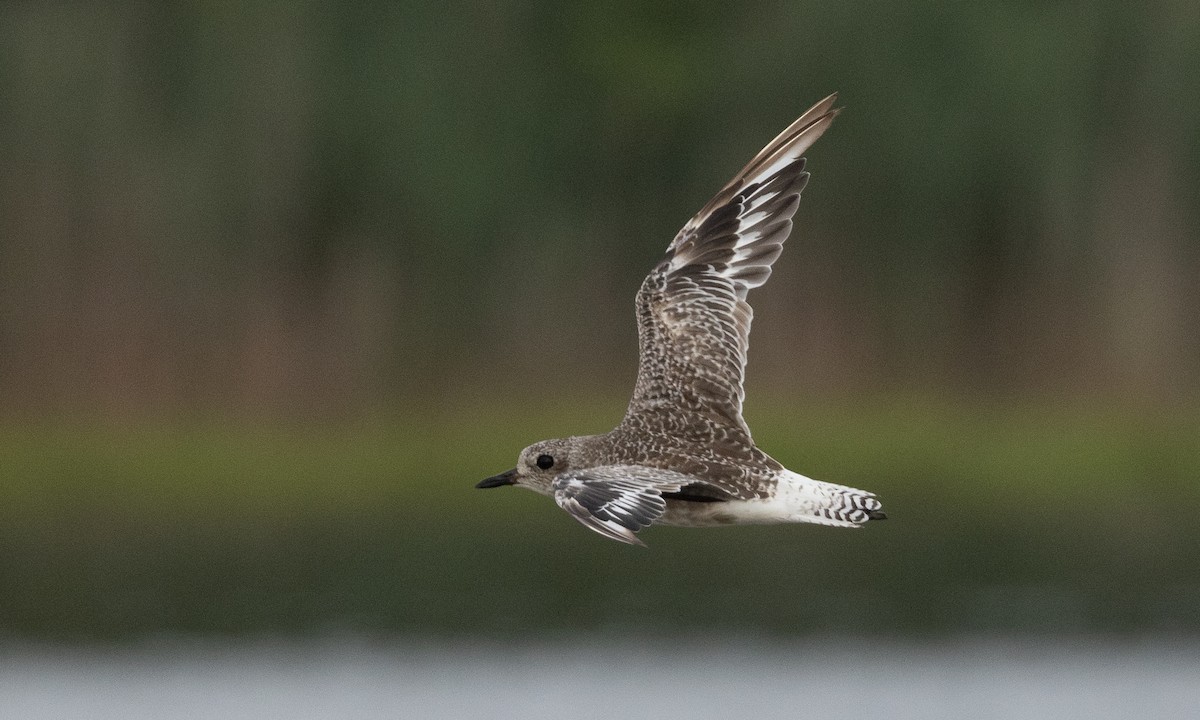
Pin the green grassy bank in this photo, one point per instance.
(1007, 521)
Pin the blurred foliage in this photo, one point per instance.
(320, 207)
(1000, 521)
(279, 282)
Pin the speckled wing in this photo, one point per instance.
(693, 318)
(617, 500)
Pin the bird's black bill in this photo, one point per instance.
(504, 478)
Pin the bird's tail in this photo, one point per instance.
(824, 503)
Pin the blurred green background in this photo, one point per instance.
(279, 283)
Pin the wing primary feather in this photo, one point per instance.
(617, 500)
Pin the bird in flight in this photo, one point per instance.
(683, 455)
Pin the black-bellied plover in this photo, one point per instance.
(683, 455)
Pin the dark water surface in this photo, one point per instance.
(860, 679)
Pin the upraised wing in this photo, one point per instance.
(693, 318)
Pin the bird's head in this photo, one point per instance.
(538, 465)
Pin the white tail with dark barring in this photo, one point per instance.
(798, 498)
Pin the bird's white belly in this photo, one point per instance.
(775, 508)
(734, 512)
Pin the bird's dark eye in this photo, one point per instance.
(545, 462)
